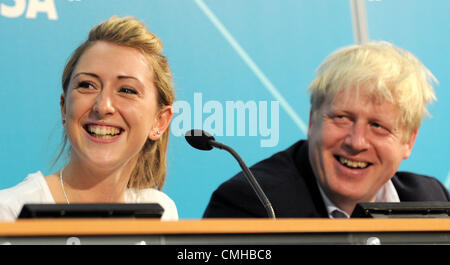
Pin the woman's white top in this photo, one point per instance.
(34, 189)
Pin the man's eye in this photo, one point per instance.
(127, 90)
(380, 129)
(376, 125)
(340, 118)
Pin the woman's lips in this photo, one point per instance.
(102, 133)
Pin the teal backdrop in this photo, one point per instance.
(219, 51)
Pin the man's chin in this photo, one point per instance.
(352, 194)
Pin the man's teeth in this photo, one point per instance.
(105, 132)
(353, 164)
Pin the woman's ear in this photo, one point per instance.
(63, 108)
(162, 122)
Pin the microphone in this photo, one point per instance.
(202, 140)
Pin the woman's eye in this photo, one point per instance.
(127, 90)
(84, 84)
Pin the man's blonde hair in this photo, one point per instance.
(150, 170)
(389, 72)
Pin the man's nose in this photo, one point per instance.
(356, 139)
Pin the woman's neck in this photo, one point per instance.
(84, 183)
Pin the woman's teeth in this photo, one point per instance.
(352, 164)
(103, 132)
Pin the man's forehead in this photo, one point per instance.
(360, 95)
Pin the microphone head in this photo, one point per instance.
(199, 139)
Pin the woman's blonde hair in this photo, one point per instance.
(389, 72)
(150, 170)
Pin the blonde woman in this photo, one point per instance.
(115, 110)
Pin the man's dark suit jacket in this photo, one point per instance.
(290, 185)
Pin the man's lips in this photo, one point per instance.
(352, 163)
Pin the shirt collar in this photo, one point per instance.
(387, 193)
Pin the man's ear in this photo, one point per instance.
(310, 122)
(162, 122)
(409, 144)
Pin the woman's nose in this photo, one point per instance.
(104, 104)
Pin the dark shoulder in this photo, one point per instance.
(235, 197)
(416, 187)
(276, 169)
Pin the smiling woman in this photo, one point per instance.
(116, 108)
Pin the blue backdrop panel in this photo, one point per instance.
(219, 51)
(422, 27)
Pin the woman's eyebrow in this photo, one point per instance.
(98, 77)
(90, 74)
(86, 73)
(128, 76)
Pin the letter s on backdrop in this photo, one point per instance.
(34, 6)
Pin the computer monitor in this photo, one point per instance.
(92, 210)
(402, 210)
